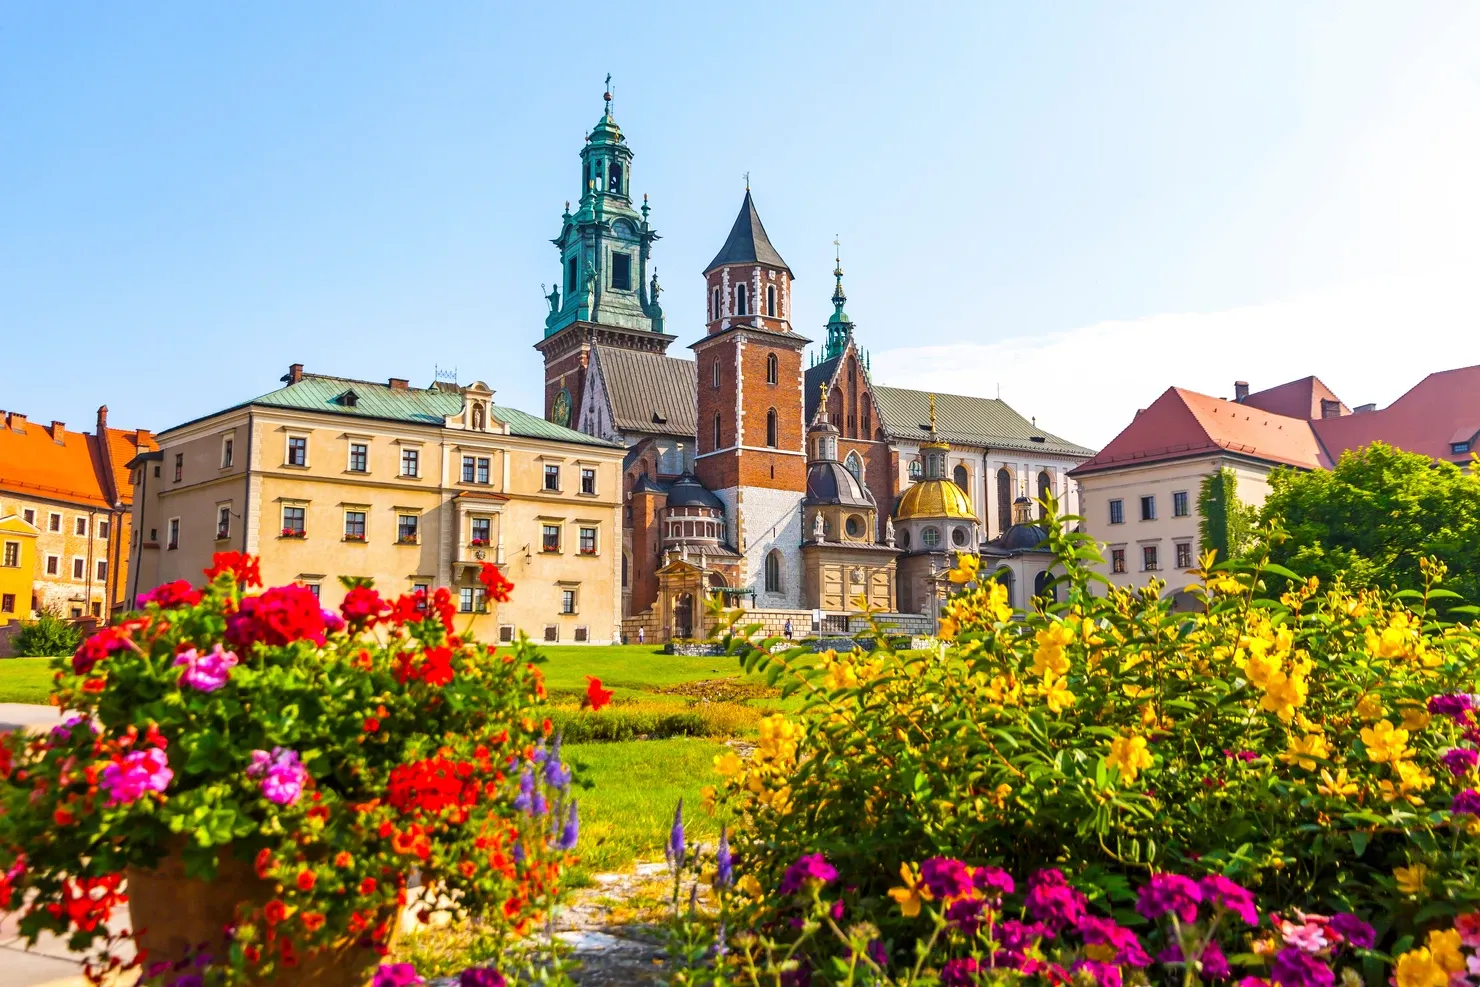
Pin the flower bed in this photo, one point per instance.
(312, 760)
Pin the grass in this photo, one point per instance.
(627, 669)
(24, 680)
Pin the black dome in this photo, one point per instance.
(829, 482)
(1024, 537)
(687, 491)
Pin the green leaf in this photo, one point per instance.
(1359, 840)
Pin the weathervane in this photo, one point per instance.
(747, 181)
(607, 95)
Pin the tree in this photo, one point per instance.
(49, 634)
(1375, 516)
(1227, 523)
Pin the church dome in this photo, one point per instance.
(934, 498)
(1024, 538)
(687, 491)
(829, 482)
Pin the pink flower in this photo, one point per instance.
(946, 877)
(282, 774)
(1237, 899)
(208, 673)
(1468, 927)
(809, 867)
(1170, 893)
(396, 975)
(138, 773)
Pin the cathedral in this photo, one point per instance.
(796, 487)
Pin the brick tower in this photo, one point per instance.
(751, 434)
(607, 292)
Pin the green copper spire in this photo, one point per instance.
(839, 327)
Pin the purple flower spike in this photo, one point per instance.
(674, 850)
(572, 831)
(724, 864)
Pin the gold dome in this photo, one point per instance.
(934, 498)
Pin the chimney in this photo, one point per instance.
(1362, 409)
(103, 419)
(1139, 412)
(1240, 390)
(17, 422)
(294, 374)
(59, 432)
(399, 383)
(1330, 408)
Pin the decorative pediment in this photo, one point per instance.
(477, 414)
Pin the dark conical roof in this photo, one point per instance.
(747, 242)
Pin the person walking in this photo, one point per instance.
(786, 628)
(641, 637)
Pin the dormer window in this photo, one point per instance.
(1459, 448)
(621, 270)
(349, 399)
(741, 298)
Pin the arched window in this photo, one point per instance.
(615, 183)
(717, 433)
(772, 439)
(773, 372)
(716, 375)
(771, 300)
(915, 470)
(868, 419)
(1004, 576)
(624, 569)
(962, 479)
(773, 572)
(1041, 586)
(1004, 500)
(1045, 490)
(855, 466)
(740, 300)
(714, 311)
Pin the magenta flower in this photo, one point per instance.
(946, 877)
(809, 867)
(481, 976)
(1170, 894)
(1460, 760)
(1213, 963)
(1466, 803)
(282, 776)
(1292, 968)
(1052, 901)
(1454, 705)
(965, 914)
(1098, 931)
(1354, 930)
(1224, 893)
(959, 973)
(138, 773)
(1244, 756)
(208, 672)
(396, 975)
(993, 881)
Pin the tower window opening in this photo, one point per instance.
(855, 466)
(1045, 489)
(772, 369)
(1004, 500)
(714, 311)
(614, 185)
(960, 477)
(621, 270)
(717, 432)
(773, 572)
(741, 308)
(570, 276)
(771, 423)
(771, 300)
(716, 375)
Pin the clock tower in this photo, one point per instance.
(607, 290)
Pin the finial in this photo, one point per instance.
(837, 257)
(932, 413)
(823, 387)
(607, 95)
(747, 181)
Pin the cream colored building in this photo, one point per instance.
(415, 487)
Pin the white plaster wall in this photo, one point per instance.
(770, 519)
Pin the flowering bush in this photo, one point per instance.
(1319, 749)
(325, 755)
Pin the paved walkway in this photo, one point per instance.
(28, 716)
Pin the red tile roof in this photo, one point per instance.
(1439, 410)
(77, 470)
(1184, 423)
(1297, 399)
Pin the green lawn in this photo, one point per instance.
(24, 680)
(627, 667)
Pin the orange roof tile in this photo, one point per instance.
(1297, 399)
(34, 464)
(1441, 409)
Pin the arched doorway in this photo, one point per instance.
(1041, 586)
(683, 615)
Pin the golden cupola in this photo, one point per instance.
(936, 495)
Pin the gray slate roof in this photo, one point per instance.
(965, 420)
(747, 242)
(642, 385)
(812, 383)
(415, 405)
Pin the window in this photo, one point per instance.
(172, 534)
(79, 526)
(717, 432)
(1179, 504)
(469, 466)
(179, 466)
(621, 270)
(29, 514)
(505, 633)
(226, 451)
(7, 603)
(614, 181)
(1117, 560)
(854, 526)
(930, 537)
(568, 601)
(424, 589)
(483, 469)
(1184, 555)
(359, 457)
(472, 599)
(1148, 558)
(294, 520)
(1148, 508)
(854, 465)
(588, 541)
(1045, 491)
(773, 572)
(550, 538)
(740, 299)
(354, 525)
(960, 535)
(771, 300)
(771, 437)
(1459, 448)
(552, 633)
(53, 565)
(480, 531)
(570, 276)
(314, 588)
(54, 522)
(916, 471)
(960, 477)
(79, 568)
(583, 634)
(1117, 512)
(12, 559)
(410, 462)
(297, 450)
(588, 480)
(714, 313)
(772, 369)
(552, 476)
(223, 521)
(104, 527)
(716, 375)
(76, 612)
(102, 570)
(406, 525)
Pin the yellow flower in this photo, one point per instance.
(1337, 787)
(1303, 750)
(1445, 947)
(1223, 583)
(1004, 690)
(841, 675)
(1411, 880)
(997, 606)
(966, 569)
(911, 894)
(1000, 793)
(1056, 693)
(1284, 693)
(1416, 968)
(748, 885)
(1385, 742)
(1415, 718)
(706, 796)
(1261, 668)
(728, 763)
(1129, 756)
(947, 628)
(1370, 707)
(1048, 659)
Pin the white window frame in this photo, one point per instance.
(54, 566)
(349, 455)
(29, 515)
(79, 525)
(595, 487)
(228, 450)
(288, 446)
(54, 522)
(103, 529)
(411, 447)
(595, 530)
(574, 590)
(223, 509)
(283, 517)
(16, 545)
(172, 534)
(79, 568)
(364, 513)
(100, 570)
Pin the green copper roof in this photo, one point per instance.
(413, 405)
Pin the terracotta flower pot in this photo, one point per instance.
(177, 914)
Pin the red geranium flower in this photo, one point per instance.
(306, 880)
(281, 615)
(246, 569)
(108, 641)
(367, 886)
(498, 587)
(596, 697)
(363, 606)
(274, 912)
(169, 595)
(312, 921)
(371, 724)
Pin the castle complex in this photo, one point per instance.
(795, 488)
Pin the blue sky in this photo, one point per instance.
(1081, 204)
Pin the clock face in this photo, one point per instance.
(561, 410)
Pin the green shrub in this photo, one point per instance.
(49, 634)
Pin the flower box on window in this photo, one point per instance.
(406, 540)
(588, 551)
(222, 534)
(295, 532)
(349, 537)
(479, 542)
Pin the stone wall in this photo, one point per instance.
(913, 624)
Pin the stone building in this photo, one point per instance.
(933, 523)
(845, 568)
(416, 487)
(75, 490)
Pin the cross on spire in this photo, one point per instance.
(607, 95)
(747, 181)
